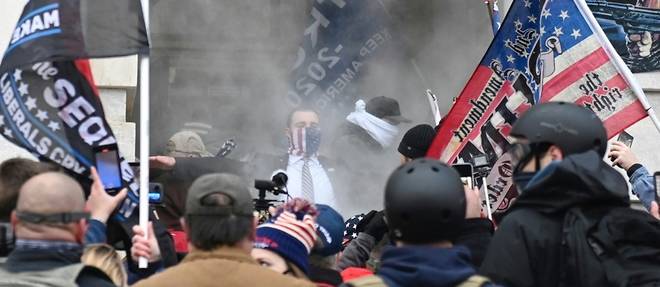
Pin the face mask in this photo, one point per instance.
(304, 141)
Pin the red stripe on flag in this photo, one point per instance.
(574, 73)
(624, 118)
(85, 69)
(459, 110)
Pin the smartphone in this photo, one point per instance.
(625, 138)
(155, 193)
(466, 172)
(656, 179)
(107, 165)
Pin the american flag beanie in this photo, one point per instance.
(290, 233)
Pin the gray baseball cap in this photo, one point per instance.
(228, 184)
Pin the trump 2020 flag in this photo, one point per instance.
(49, 104)
(544, 51)
(340, 38)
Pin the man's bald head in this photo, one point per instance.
(49, 193)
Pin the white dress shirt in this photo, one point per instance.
(323, 192)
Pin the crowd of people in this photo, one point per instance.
(572, 224)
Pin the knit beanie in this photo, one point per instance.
(417, 141)
(290, 233)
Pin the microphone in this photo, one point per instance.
(277, 183)
(280, 177)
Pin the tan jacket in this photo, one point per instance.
(224, 266)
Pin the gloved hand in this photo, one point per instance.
(377, 227)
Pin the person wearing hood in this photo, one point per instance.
(425, 207)
(557, 158)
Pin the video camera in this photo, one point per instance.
(276, 185)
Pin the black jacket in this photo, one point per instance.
(525, 250)
(41, 259)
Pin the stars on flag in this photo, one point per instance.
(531, 19)
(31, 103)
(8, 133)
(18, 75)
(563, 15)
(545, 13)
(576, 34)
(23, 89)
(510, 58)
(54, 126)
(558, 32)
(42, 115)
(527, 3)
(542, 31)
(517, 22)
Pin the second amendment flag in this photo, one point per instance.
(544, 51)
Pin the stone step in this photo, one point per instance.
(114, 104)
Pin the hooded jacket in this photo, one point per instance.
(525, 250)
(426, 266)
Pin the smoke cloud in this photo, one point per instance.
(226, 63)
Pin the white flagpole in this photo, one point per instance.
(144, 135)
(618, 62)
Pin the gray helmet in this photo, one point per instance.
(574, 129)
(424, 202)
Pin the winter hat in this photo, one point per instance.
(330, 229)
(290, 232)
(417, 141)
(350, 229)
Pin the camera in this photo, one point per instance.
(276, 185)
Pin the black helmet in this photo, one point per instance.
(574, 129)
(424, 202)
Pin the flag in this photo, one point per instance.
(341, 37)
(50, 105)
(494, 12)
(544, 51)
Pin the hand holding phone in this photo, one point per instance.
(622, 156)
(107, 166)
(466, 172)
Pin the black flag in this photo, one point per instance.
(50, 30)
(50, 105)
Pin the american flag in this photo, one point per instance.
(494, 12)
(544, 51)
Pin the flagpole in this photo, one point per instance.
(144, 135)
(619, 64)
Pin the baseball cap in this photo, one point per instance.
(186, 144)
(230, 185)
(330, 229)
(386, 108)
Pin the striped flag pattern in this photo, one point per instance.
(553, 51)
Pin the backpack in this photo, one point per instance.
(375, 281)
(58, 277)
(610, 246)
